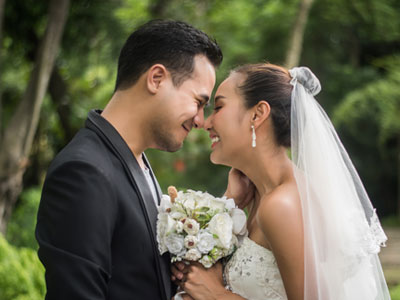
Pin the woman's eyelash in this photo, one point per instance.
(217, 108)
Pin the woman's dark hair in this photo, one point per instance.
(270, 83)
(171, 43)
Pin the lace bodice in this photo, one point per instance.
(252, 273)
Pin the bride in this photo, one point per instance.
(312, 231)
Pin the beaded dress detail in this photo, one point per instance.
(253, 273)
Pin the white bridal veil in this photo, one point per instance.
(342, 234)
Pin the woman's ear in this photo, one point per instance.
(261, 112)
(155, 76)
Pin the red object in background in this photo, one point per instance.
(179, 165)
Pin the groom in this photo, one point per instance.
(96, 223)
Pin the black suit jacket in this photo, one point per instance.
(96, 224)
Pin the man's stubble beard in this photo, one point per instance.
(163, 137)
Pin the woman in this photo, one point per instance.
(313, 233)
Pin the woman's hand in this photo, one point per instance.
(178, 272)
(240, 188)
(204, 284)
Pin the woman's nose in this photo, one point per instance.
(207, 123)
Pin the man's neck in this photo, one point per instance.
(128, 124)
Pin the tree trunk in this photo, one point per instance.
(157, 9)
(59, 95)
(18, 136)
(296, 39)
(2, 4)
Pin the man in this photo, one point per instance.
(97, 217)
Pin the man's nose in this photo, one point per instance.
(198, 120)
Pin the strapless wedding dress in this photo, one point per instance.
(253, 273)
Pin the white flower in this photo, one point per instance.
(165, 225)
(216, 253)
(165, 204)
(206, 261)
(217, 205)
(235, 241)
(229, 204)
(206, 241)
(179, 227)
(193, 255)
(190, 203)
(202, 202)
(234, 245)
(221, 225)
(161, 225)
(190, 241)
(177, 214)
(239, 220)
(174, 243)
(191, 226)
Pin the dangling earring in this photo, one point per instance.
(253, 135)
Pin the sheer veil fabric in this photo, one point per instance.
(342, 234)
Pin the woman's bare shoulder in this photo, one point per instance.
(280, 209)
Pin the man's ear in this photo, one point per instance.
(155, 76)
(261, 112)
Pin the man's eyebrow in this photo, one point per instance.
(205, 99)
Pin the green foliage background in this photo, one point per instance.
(352, 46)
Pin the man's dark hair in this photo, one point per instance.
(171, 43)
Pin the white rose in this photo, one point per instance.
(229, 204)
(191, 226)
(190, 203)
(217, 205)
(239, 220)
(206, 241)
(234, 244)
(165, 225)
(221, 225)
(193, 255)
(206, 261)
(165, 204)
(179, 256)
(176, 214)
(190, 241)
(179, 227)
(203, 202)
(174, 243)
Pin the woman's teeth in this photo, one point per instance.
(215, 139)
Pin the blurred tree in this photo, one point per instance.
(2, 3)
(293, 53)
(18, 136)
(377, 106)
(21, 228)
(157, 8)
(21, 273)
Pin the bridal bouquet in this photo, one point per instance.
(196, 226)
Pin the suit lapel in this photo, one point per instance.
(112, 138)
(166, 259)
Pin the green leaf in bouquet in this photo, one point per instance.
(203, 209)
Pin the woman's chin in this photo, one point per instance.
(216, 160)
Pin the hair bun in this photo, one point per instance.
(306, 78)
